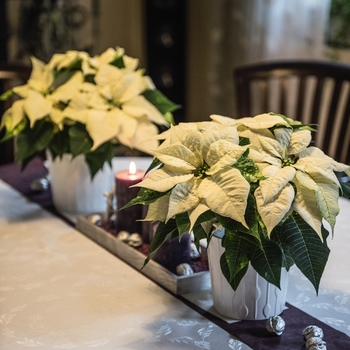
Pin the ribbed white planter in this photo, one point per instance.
(254, 299)
(72, 190)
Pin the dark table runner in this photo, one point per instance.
(252, 333)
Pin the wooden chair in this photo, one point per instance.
(10, 75)
(314, 92)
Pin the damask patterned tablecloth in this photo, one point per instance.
(59, 290)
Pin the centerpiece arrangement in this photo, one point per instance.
(77, 106)
(86, 105)
(256, 180)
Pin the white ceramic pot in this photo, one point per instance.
(72, 189)
(254, 299)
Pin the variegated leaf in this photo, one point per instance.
(103, 125)
(195, 213)
(274, 211)
(219, 133)
(178, 156)
(182, 198)
(305, 203)
(36, 107)
(263, 121)
(276, 179)
(299, 140)
(226, 194)
(163, 180)
(222, 154)
(139, 107)
(158, 210)
(17, 113)
(283, 135)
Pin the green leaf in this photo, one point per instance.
(287, 260)
(33, 140)
(80, 140)
(169, 118)
(345, 186)
(155, 163)
(226, 272)
(183, 223)
(163, 233)
(6, 95)
(160, 101)
(199, 233)
(244, 141)
(89, 78)
(97, 158)
(237, 252)
(118, 62)
(61, 78)
(26, 161)
(59, 143)
(247, 167)
(267, 262)
(309, 253)
(252, 219)
(145, 196)
(296, 124)
(16, 131)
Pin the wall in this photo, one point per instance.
(122, 23)
(119, 23)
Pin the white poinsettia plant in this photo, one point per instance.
(86, 105)
(259, 179)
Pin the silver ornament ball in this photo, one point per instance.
(312, 331)
(315, 343)
(275, 325)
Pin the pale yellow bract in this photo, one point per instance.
(111, 107)
(198, 171)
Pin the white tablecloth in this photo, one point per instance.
(59, 290)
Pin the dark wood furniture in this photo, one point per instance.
(312, 91)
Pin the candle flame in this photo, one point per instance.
(132, 168)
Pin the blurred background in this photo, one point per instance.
(188, 47)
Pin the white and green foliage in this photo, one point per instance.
(255, 177)
(86, 105)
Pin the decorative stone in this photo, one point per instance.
(174, 252)
(95, 219)
(194, 253)
(312, 331)
(184, 269)
(135, 240)
(110, 212)
(123, 236)
(39, 185)
(275, 325)
(315, 343)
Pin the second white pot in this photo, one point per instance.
(254, 299)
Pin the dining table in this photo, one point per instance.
(61, 290)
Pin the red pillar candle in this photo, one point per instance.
(127, 218)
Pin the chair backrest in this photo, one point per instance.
(312, 91)
(10, 76)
